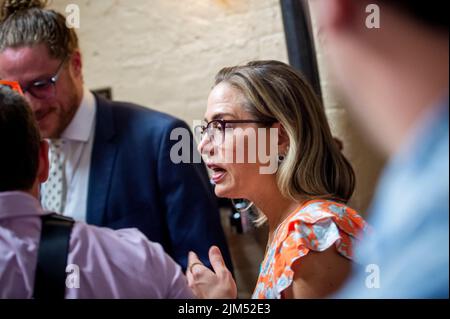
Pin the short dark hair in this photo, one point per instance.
(20, 142)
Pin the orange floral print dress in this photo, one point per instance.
(316, 225)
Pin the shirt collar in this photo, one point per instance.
(19, 204)
(81, 125)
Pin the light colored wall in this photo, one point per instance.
(164, 54)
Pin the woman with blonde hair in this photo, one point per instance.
(311, 230)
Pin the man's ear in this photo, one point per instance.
(44, 165)
(283, 138)
(76, 63)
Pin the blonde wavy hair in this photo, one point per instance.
(314, 166)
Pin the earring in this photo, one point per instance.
(282, 157)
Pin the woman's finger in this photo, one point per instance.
(217, 262)
(192, 261)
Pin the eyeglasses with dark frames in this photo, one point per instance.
(45, 89)
(216, 128)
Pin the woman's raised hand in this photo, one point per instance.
(207, 284)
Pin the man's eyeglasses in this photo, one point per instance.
(15, 86)
(45, 89)
(216, 129)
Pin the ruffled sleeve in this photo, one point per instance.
(317, 227)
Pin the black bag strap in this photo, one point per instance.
(50, 280)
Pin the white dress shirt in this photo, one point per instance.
(77, 149)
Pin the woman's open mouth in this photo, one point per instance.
(218, 173)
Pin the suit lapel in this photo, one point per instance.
(102, 163)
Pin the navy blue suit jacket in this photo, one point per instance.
(133, 183)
